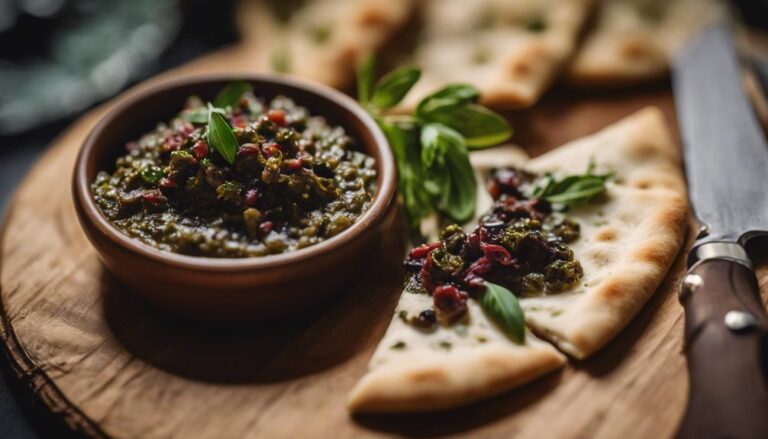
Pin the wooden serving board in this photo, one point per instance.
(110, 365)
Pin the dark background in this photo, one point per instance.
(200, 26)
(29, 34)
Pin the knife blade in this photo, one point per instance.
(726, 163)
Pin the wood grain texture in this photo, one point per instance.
(113, 366)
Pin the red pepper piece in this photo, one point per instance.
(266, 226)
(278, 117)
(200, 149)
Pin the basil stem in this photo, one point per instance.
(365, 71)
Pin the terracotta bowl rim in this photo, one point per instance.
(92, 214)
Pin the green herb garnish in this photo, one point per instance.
(572, 189)
(320, 34)
(230, 95)
(220, 135)
(479, 126)
(503, 308)
(152, 174)
(443, 149)
(431, 146)
(537, 25)
(280, 61)
(392, 88)
(198, 116)
(400, 345)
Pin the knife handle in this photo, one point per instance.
(725, 345)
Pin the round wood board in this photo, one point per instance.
(109, 365)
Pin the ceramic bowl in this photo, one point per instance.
(233, 288)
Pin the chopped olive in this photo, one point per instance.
(520, 244)
(426, 319)
(567, 229)
(295, 181)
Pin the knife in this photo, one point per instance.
(726, 163)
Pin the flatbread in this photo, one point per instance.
(509, 50)
(323, 40)
(633, 41)
(449, 367)
(628, 242)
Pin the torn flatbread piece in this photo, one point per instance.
(627, 243)
(581, 271)
(323, 40)
(510, 50)
(633, 41)
(415, 370)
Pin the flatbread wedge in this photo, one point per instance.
(323, 40)
(510, 50)
(633, 41)
(453, 366)
(629, 240)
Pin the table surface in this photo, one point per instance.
(144, 353)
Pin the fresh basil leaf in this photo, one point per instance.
(433, 145)
(544, 187)
(230, 95)
(504, 309)
(580, 189)
(434, 187)
(447, 97)
(451, 171)
(461, 204)
(197, 116)
(480, 126)
(365, 71)
(392, 88)
(571, 189)
(220, 136)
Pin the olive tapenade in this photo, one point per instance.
(520, 244)
(291, 180)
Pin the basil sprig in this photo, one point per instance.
(431, 146)
(572, 189)
(503, 308)
(220, 135)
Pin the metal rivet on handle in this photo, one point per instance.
(691, 282)
(739, 321)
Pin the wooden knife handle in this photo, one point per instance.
(727, 356)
